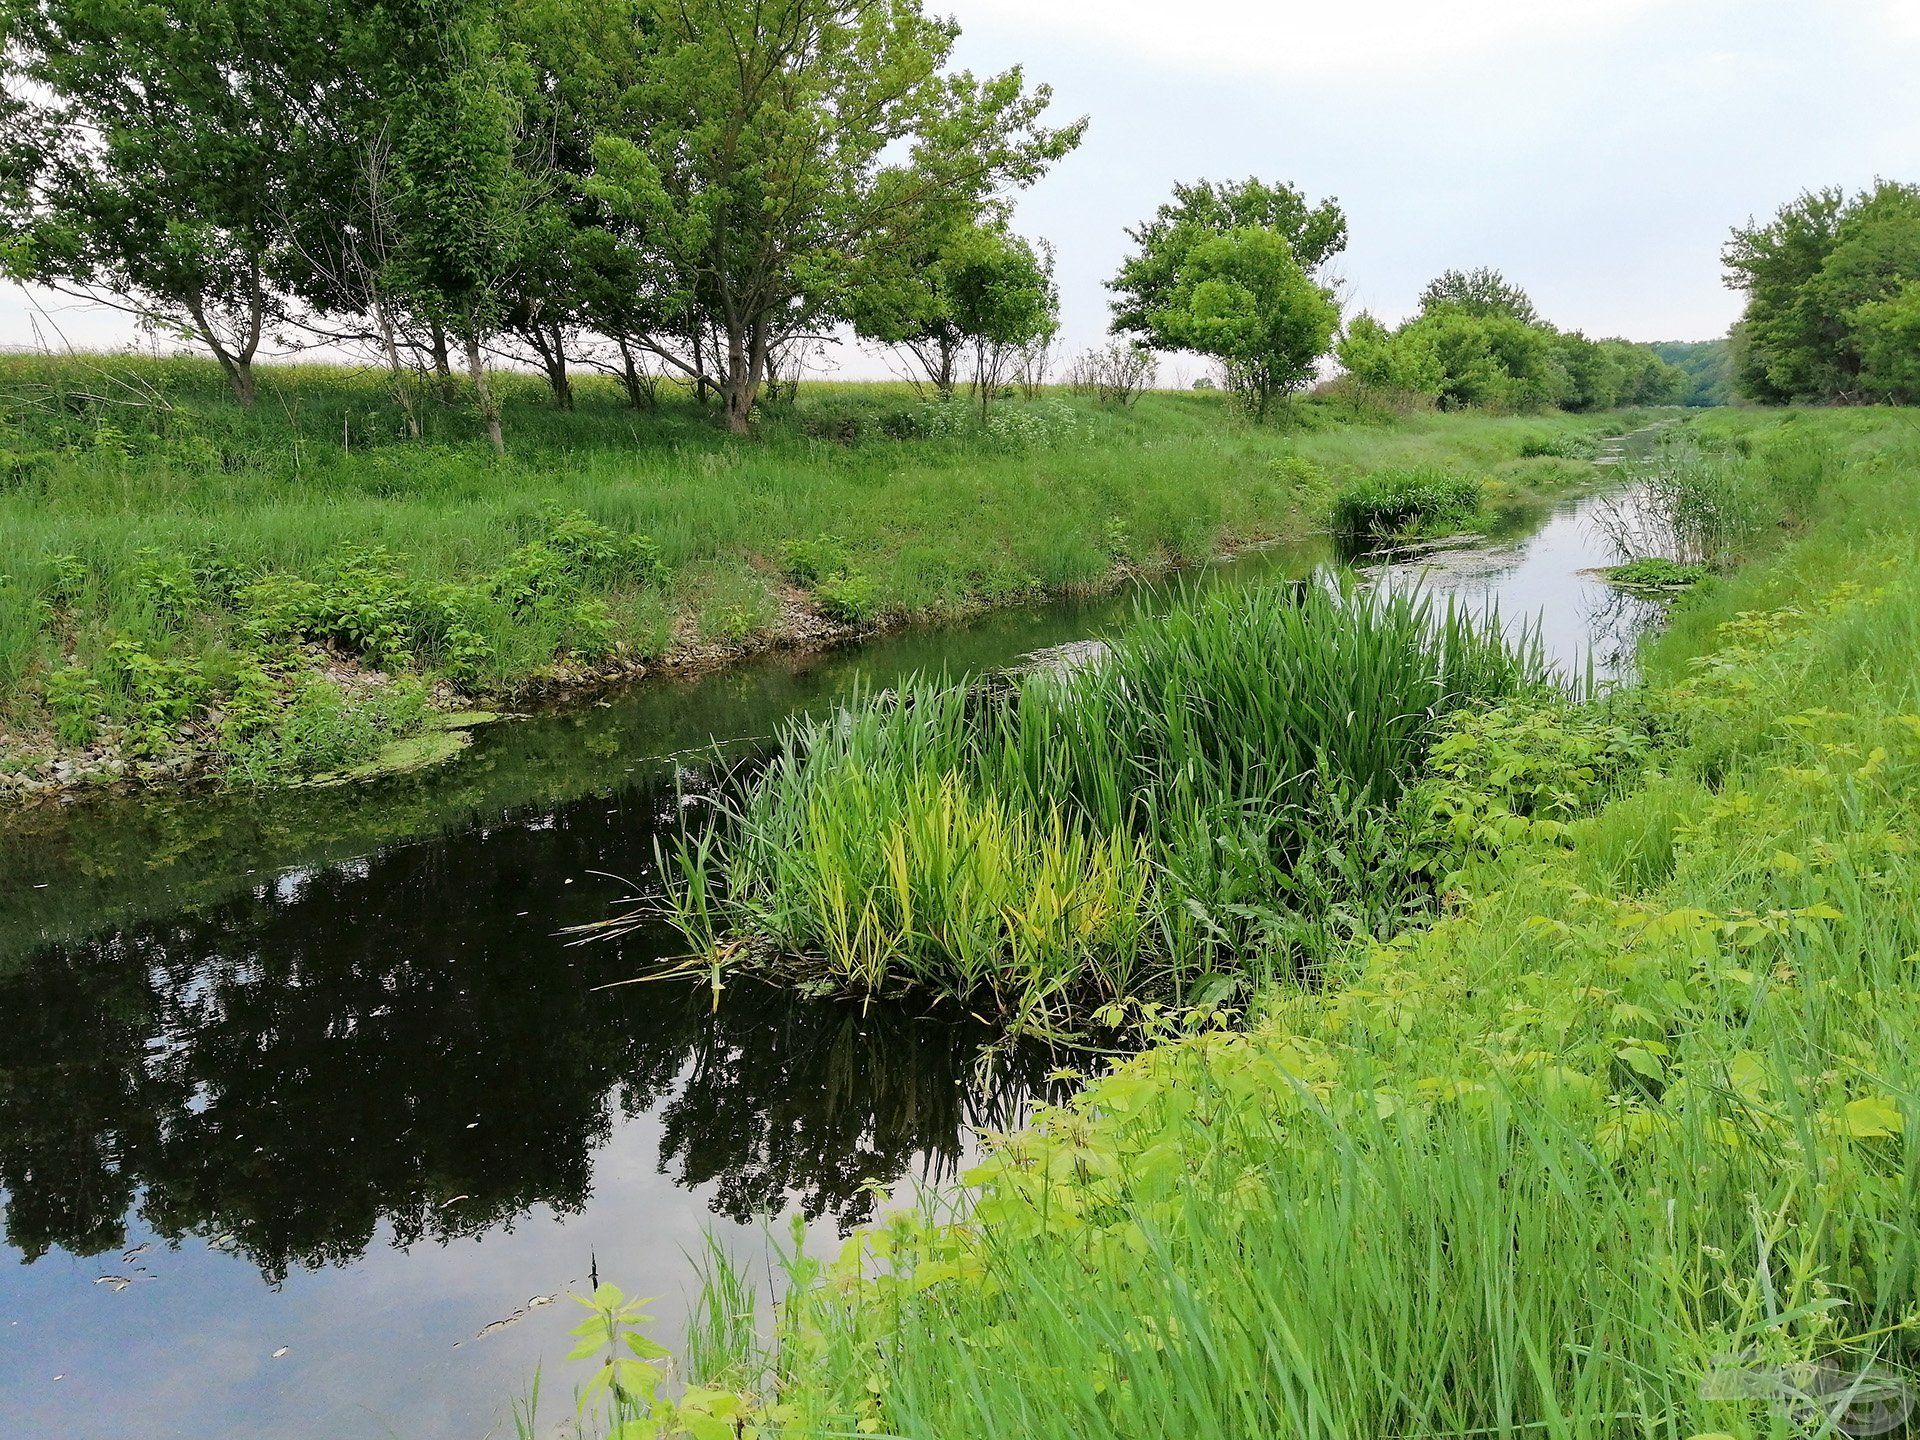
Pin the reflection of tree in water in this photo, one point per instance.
(802, 1104)
(403, 1041)
(1616, 620)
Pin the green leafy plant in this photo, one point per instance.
(1386, 503)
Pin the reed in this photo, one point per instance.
(1199, 806)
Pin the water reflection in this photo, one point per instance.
(401, 1044)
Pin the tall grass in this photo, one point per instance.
(1209, 801)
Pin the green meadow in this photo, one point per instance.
(277, 592)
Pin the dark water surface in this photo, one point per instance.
(302, 1095)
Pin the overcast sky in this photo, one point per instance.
(1594, 150)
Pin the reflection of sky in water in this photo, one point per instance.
(333, 1040)
(1544, 582)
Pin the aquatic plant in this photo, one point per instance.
(1386, 503)
(1214, 799)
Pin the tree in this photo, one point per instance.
(1202, 211)
(1401, 363)
(150, 158)
(1889, 338)
(1809, 275)
(766, 153)
(1491, 361)
(1479, 292)
(1244, 299)
(980, 289)
(469, 185)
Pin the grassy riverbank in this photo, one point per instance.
(280, 592)
(1623, 1143)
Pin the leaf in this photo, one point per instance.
(1872, 1117)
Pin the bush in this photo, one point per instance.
(849, 597)
(1396, 502)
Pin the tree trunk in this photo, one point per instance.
(396, 367)
(639, 393)
(553, 355)
(746, 370)
(442, 362)
(483, 392)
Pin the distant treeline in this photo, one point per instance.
(1478, 341)
(1709, 367)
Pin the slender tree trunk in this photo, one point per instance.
(396, 367)
(442, 362)
(553, 354)
(639, 396)
(483, 392)
(944, 383)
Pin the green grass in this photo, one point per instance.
(138, 506)
(1390, 503)
(1204, 804)
(1625, 1143)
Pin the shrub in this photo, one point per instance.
(849, 596)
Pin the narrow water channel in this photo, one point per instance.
(306, 1113)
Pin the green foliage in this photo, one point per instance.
(1519, 773)
(1386, 503)
(1656, 573)
(1480, 292)
(1244, 300)
(1212, 799)
(848, 596)
(1708, 365)
(74, 697)
(978, 289)
(1827, 282)
(280, 733)
(1229, 271)
(1485, 349)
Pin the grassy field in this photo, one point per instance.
(1625, 1142)
(284, 590)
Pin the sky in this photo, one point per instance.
(1595, 151)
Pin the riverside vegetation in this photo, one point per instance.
(1618, 1135)
(275, 594)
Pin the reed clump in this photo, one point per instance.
(1213, 801)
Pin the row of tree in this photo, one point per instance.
(696, 187)
(1478, 341)
(1833, 298)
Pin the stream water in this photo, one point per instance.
(307, 1113)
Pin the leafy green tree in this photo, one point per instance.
(150, 158)
(1243, 299)
(1203, 211)
(1809, 274)
(1482, 292)
(1492, 361)
(1402, 363)
(471, 180)
(766, 153)
(981, 290)
(1889, 339)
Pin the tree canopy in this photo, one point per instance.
(1233, 272)
(1825, 281)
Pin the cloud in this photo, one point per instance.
(1344, 39)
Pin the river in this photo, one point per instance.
(307, 1112)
